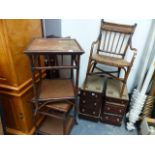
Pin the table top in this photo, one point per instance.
(54, 46)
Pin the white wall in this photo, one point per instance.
(86, 31)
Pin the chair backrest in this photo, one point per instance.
(114, 39)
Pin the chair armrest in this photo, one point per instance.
(133, 49)
(134, 54)
(92, 47)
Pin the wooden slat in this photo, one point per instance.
(117, 42)
(104, 43)
(124, 35)
(113, 41)
(109, 41)
(117, 28)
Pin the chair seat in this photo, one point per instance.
(109, 60)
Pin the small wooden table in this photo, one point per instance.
(54, 90)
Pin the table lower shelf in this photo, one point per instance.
(53, 126)
(56, 89)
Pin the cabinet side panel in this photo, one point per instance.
(18, 112)
(7, 76)
(20, 34)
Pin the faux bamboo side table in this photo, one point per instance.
(49, 93)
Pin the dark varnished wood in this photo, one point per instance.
(91, 98)
(54, 46)
(114, 106)
(50, 94)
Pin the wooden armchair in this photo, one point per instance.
(110, 49)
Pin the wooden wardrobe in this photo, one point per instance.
(15, 74)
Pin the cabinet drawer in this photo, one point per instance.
(110, 119)
(93, 112)
(93, 96)
(114, 109)
(114, 100)
(90, 103)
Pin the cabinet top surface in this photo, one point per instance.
(114, 88)
(54, 45)
(94, 83)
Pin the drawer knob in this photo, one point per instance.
(93, 94)
(117, 119)
(94, 112)
(83, 101)
(95, 104)
(106, 117)
(83, 110)
(108, 108)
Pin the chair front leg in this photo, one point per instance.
(125, 80)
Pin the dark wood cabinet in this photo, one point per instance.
(100, 100)
(91, 98)
(114, 106)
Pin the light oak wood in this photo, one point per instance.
(15, 73)
(117, 28)
(110, 49)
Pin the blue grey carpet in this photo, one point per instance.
(85, 127)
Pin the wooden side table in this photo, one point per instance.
(49, 92)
